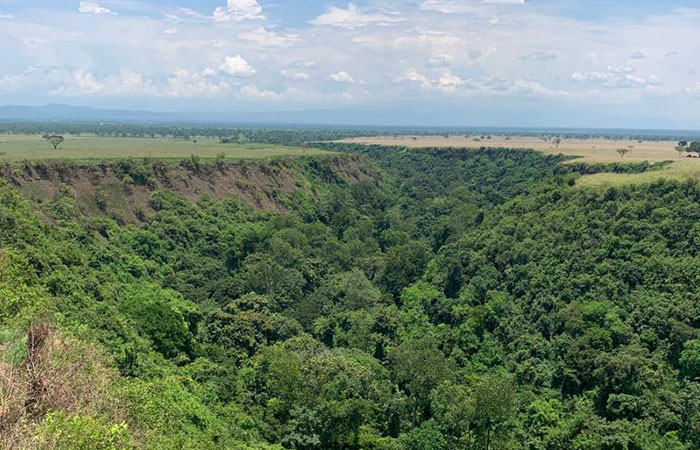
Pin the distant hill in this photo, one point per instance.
(424, 120)
(60, 112)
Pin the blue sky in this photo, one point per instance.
(458, 62)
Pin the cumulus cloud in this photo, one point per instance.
(694, 89)
(447, 82)
(452, 83)
(236, 66)
(616, 77)
(183, 83)
(126, 83)
(296, 76)
(353, 17)
(252, 92)
(263, 37)
(239, 10)
(93, 8)
(343, 77)
(438, 49)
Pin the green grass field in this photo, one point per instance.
(679, 170)
(95, 148)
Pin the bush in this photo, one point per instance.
(60, 431)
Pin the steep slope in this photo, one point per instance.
(121, 190)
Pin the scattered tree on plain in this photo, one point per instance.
(623, 151)
(694, 147)
(55, 140)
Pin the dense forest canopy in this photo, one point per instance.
(461, 300)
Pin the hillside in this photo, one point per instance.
(381, 299)
(122, 190)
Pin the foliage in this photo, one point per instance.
(465, 299)
(68, 432)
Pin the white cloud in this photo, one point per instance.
(126, 83)
(252, 92)
(415, 77)
(353, 17)
(239, 10)
(296, 76)
(304, 64)
(436, 56)
(208, 72)
(266, 38)
(236, 66)
(343, 77)
(449, 82)
(93, 8)
(180, 84)
(693, 90)
(616, 77)
(7, 16)
(439, 38)
(185, 84)
(531, 87)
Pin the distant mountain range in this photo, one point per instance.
(64, 113)
(403, 118)
(58, 112)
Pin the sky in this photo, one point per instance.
(555, 63)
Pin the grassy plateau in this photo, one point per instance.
(88, 148)
(586, 150)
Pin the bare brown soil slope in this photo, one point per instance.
(108, 190)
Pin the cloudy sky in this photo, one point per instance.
(607, 63)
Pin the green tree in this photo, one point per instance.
(690, 359)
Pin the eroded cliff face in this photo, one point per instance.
(121, 190)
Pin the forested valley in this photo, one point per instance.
(456, 300)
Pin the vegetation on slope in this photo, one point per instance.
(475, 300)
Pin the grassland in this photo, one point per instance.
(89, 148)
(587, 150)
(679, 170)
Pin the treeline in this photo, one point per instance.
(285, 135)
(467, 300)
(226, 134)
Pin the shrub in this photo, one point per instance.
(61, 431)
